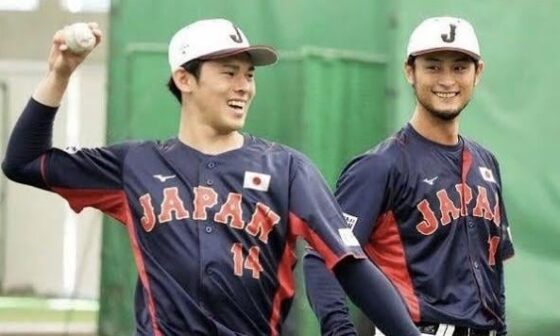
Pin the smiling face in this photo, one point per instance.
(443, 82)
(222, 94)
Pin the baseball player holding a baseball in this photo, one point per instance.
(212, 214)
(426, 204)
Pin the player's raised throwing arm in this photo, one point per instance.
(32, 134)
(85, 177)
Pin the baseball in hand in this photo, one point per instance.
(79, 38)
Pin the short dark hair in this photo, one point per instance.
(192, 67)
(410, 60)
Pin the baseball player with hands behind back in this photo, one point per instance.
(212, 214)
(426, 204)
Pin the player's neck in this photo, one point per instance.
(445, 132)
(206, 139)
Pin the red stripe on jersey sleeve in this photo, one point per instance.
(300, 228)
(111, 202)
(286, 285)
(385, 248)
(44, 168)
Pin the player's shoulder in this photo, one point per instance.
(476, 148)
(384, 155)
(150, 144)
(283, 157)
(139, 148)
(118, 149)
(274, 150)
(128, 146)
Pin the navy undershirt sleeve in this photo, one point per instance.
(30, 138)
(370, 290)
(326, 297)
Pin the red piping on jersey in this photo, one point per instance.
(114, 203)
(385, 248)
(141, 268)
(465, 168)
(286, 284)
(110, 201)
(44, 168)
(300, 228)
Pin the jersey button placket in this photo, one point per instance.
(208, 234)
(210, 165)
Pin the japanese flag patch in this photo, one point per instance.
(487, 174)
(256, 181)
(348, 237)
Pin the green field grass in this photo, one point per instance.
(20, 309)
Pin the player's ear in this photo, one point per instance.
(478, 72)
(409, 72)
(184, 80)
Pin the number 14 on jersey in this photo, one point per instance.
(250, 262)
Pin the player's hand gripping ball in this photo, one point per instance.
(79, 38)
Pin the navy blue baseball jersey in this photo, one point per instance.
(213, 236)
(432, 218)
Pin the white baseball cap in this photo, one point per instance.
(443, 33)
(211, 39)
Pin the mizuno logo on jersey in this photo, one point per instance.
(430, 181)
(487, 174)
(256, 181)
(162, 178)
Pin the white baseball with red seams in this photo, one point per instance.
(79, 38)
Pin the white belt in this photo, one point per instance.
(443, 330)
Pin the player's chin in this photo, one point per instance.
(446, 114)
(450, 108)
(235, 124)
